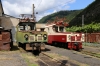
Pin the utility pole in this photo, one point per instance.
(82, 20)
(83, 26)
(33, 13)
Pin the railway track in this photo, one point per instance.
(87, 52)
(43, 59)
(46, 60)
(97, 55)
(90, 53)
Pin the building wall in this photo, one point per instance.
(47, 29)
(10, 23)
(40, 25)
(1, 9)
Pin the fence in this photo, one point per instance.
(92, 37)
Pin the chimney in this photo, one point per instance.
(1, 9)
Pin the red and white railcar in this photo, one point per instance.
(58, 35)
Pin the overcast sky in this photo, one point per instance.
(43, 7)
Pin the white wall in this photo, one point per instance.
(10, 23)
(40, 25)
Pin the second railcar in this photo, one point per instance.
(57, 35)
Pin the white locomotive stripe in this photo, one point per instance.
(64, 34)
(59, 34)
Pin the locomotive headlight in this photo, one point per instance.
(45, 36)
(26, 37)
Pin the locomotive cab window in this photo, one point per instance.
(61, 29)
(21, 28)
(55, 28)
(26, 26)
(42, 29)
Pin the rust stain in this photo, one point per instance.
(5, 41)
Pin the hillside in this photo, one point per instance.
(74, 17)
(69, 15)
(91, 14)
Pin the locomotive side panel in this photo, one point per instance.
(57, 38)
(23, 37)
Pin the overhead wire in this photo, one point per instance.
(39, 4)
(57, 6)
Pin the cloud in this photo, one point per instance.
(43, 7)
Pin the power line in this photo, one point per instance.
(57, 6)
(39, 4)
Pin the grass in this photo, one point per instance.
(53, 55)
(96, 55)
(33, 65)
(30, 60)
(91, 54)
(91, 44)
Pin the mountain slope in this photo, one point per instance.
(91, 14)
(69, 15)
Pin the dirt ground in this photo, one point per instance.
(16, 58)
(11, 58)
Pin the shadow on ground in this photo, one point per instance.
(46, 49)
(15, 47)
(64, 62)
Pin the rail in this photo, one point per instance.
(49, 61)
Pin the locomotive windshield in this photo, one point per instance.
(42, 29)
(58, 28)
(26, 26)
(55, 28)
(61, 29)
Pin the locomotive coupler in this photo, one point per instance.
(36, 46)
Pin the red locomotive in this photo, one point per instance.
(57, 35)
